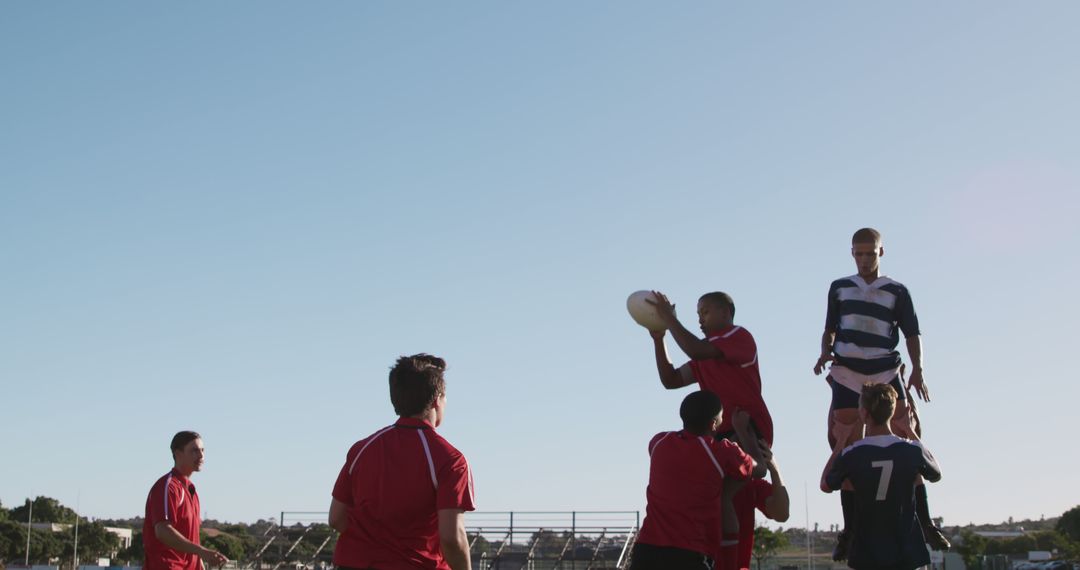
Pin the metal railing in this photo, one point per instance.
(505, 540)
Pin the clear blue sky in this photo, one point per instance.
(233, 217)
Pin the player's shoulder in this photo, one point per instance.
(360, 444)
(877, 442)
(168, 479)
(437, 441)
(886, 283)
(843, 282)
(725, 446)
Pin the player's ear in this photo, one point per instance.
(881, 251)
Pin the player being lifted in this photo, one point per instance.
(866, 313)
(724, 362)
(883, 469)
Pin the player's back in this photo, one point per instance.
(686, 478)
(883, 470)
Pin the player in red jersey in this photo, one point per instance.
(399, 499)
(724, 362)
(770, 497)
(173, 518)
(687, 474)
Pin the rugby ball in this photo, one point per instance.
(643, 312)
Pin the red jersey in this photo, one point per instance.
(735, 379)
(172, 499)
(686, 479)
(394, 482)
(752, 496)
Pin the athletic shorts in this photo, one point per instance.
(649, 557)
(844, 397)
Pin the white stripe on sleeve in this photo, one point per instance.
(430, 463)
(361, 452)
(711, 456)
(168, 482)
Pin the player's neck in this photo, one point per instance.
(871, 276)
(872, 430)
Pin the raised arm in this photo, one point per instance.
(748, 441)
(452, 538)
(670, 376)
(929, 469)
(778, 505)
(695, 348)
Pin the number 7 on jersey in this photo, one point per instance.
(886, 474)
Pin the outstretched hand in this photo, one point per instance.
(213, 558)
(665, 309)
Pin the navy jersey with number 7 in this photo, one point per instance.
(883, 469)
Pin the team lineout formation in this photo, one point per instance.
(400, 497)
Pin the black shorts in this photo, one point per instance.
(649, 557)
(844, 397)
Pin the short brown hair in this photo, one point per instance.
(181, 439)
(416, 382)
(879, 401)
(720, 298)
(866, 235)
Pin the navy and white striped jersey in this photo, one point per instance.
(867, 319)
(883, 468)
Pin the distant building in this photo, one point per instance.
(125, 534)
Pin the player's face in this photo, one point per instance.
(867, 257)
(190, 458)
(712, 316)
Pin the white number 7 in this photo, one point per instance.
(886, 474)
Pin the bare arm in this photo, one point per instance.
(669, 375)
(748, 441)
(339, 515)
(914, 350)
(694, 347)
(778, 505)
(452, 538)
(827, 339)
(169, 536)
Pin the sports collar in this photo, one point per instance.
(413, 423)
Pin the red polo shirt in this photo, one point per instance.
(172, 499)
(394, 482)
(735, 378)
(752, 496)
(686, 478)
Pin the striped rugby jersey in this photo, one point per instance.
(867, 320)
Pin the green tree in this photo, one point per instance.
(971, 547)
(46, 510)
(3, 512)
(94, 542)
(227, 544)
(767, 543)
(1069, 524)
(134, 555)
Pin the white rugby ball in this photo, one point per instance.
(642, 312)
